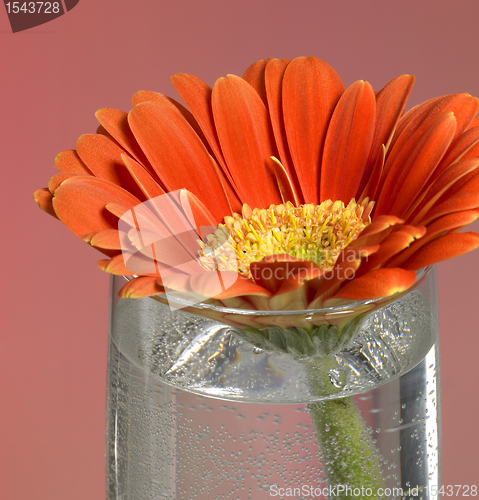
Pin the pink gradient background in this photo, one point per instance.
(54, 299)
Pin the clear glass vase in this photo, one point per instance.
(218, 403)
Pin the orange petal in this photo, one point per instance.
(474, 122)
(104, 158)
(413, 119)
(69, 162)
(141, 264)
(195, 288)
(396, 242)
(243, 127)
(443, 182)
(165, 250)
(243, 287)
(56, 180)
(458, 148)
(176, 218)
(274, 89)
(468, 182)
(273, 271)
(141, 287)
(177, 282)
(233, 303)
(474, 151)
(346, 265)
(197, 96)
(142, 224)
(101, 155)
(209, 284)
(464, 106)
(115, 123)
(148, 96)
(375, 176)
(414, 165)
(199, 286)
(347, 144)
(168, 214)
(458, 202)
(167, 229)
(43, 197)
(442, 248)
(103, 131)
(80, 204)
(117, 209)
(178, 252)
(202, 217)
(108, 239)
(292, 296)
(115, 265)
(390, 103)
(375, 232)
(254, 75)
(449, 222)
(311, 89)
(177, 154)
(285, 184)
(148, 185)
(374, 285)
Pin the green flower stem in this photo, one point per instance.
(349, 455)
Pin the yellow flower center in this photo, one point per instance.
(313, 232)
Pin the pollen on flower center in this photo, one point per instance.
(313, 232)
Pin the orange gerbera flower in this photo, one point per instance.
(328, 194)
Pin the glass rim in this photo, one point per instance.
(350, 307)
